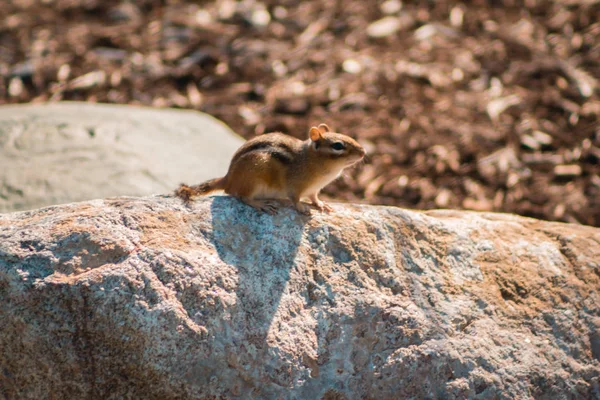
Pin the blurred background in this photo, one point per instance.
(479, 105)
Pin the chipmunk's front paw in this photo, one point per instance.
(321, 206)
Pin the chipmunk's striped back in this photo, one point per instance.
(282, 147)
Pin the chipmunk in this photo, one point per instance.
(276, 167)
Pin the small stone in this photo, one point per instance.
(194, 94)
(542, 137)
(250, 116)
(227, 9)
(89, 80)
(512, 179)
(116, 78)
(567, 170)
(383, 27)
(15, 87)
(297, 88)
(498, 106)
(530, 142)
(443, 198)
(202, 18)
(260, 17)
(63, 73)
(403, 181)
(279, 68)
(351, 66)
(222, 68)
(425, 32)
(457, 75)
(391, 7)
(457, 15)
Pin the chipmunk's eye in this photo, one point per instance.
(338, 146)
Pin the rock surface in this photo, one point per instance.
(147, 298)
(64, 152)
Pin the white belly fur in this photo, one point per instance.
(263, 191)
(319, 184)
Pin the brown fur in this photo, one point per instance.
(276, 166)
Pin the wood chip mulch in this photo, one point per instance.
(481, 105)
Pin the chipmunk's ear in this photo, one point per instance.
(324, 128)
(315, 134)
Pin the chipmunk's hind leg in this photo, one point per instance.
(268, 206)
(257, 183)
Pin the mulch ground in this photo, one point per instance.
(482, 105)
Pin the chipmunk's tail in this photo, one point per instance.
(186, 192)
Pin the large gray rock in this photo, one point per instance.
(145, 298)
(64, 152)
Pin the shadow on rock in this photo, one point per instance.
(263, 248)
